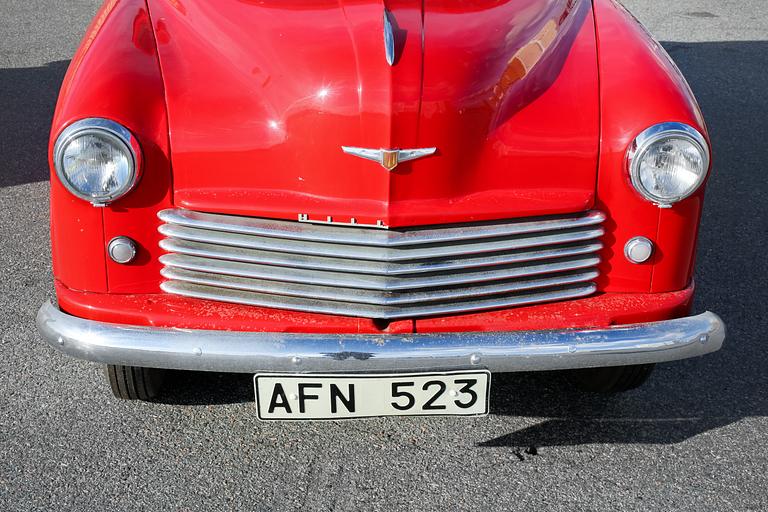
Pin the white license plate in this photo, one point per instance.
(334, 396)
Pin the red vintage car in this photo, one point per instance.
(370, 205)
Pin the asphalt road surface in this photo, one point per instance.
(694, 438)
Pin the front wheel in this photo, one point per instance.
(134, 382)
(611, 379)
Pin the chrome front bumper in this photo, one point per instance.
(249, 352)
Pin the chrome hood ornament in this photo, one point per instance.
(389, 158)
(389, 39)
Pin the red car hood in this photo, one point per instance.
(262, 95)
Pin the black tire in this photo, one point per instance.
(612, 379)
(135, 383)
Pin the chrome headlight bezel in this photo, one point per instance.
(117, 134)
(651, 136)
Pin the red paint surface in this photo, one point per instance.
(115, 75)
(262, 95)
(162, 310)
(640, 87)
(531, 103)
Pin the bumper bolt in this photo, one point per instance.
(475, 359)
(296, 360)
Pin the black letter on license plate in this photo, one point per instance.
(303, 397)
(349, 403)
(278, 392)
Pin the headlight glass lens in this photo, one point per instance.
(96, 166)
(96, 161)
(668, 162)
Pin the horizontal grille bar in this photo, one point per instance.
(380, 274)
(373, 297)
(341, 250)
(362, 236)
(366, 281)
(280, 259)
(367, 310)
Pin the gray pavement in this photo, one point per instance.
(694, 438)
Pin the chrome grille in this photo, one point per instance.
(374, 273)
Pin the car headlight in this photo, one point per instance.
(97, 160)
(668, 162)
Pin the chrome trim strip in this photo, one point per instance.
(367, 310)
(373, 282)
(292, 260)
(367, 237)
(250, 352)
(389, 39)
(397, 253)
(373, 297)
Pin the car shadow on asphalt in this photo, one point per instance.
(27, 101)
(207, 388)
(682, 399)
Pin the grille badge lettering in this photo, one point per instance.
(329, 220)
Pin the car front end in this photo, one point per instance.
(315, 191)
